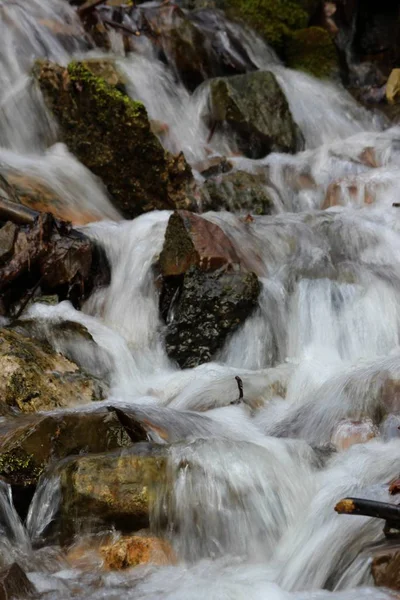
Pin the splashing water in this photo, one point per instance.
(248, 501)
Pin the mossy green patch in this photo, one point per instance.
(312, 50)
(273, 19)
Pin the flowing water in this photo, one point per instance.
(252, 518)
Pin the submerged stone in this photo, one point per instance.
(255, 109)
(131, 551)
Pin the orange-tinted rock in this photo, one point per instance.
(34, 194)
(190, 241)
(347, 433)
(340, 191)
(394, 487)
(386, 568)
(131, 551)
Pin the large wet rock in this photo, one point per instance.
(114, 488)
(111, 135)
(312, 50)
(239, 192)
(33, 377)
(207, 293)
(29, 445)
(210, 307)
(256, 111)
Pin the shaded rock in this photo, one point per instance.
(15, 584)
(49, 257)
(213, 166)
(312, 50)
(393, 87)
(8, 233)
(33, 377)
(238, 191)
(114, 488)
(29, 445)
(255, 109)
(273, 19)
(131, 551)
(185, 46)
(191, 240)
(110, 134)
(385, 568)
(210, 306)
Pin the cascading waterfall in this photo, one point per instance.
(249, 510)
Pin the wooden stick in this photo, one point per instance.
(369, 508)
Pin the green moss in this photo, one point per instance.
(273, 19)
(312, 50)
(109, 133)
(20, 467)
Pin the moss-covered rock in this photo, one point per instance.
(210, 307)
(110, 134)
(273, 19)
(238, 191)
(114, 488)
(255, 109)
(33, 377)
(312, 50)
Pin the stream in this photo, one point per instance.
(253, 517)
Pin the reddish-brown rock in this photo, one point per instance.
(190, 241)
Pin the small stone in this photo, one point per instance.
(131, 551)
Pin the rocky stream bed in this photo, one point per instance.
(199, 300)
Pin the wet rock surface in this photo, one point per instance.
(255, 109)
(312, 50)
(34, 377)
(239, 192)
(30, 445)
(210, 307)
(45, 256)
(131, 551)
(386, 568)
(120, 497)
(111, 135)
(206, 292)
